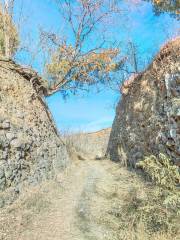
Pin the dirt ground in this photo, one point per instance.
(82, 203)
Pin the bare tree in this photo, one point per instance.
(8, 6)
(8, 30)
(134, 56)
(73, 65)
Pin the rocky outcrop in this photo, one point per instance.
(30, 146)
(148, 115)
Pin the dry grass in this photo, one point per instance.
(152, 211)
(87, 145)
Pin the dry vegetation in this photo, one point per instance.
(9, 38)
(157, 213)
(87, 145)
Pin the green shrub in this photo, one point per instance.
(161, 170)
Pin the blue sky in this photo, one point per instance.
(94, 111)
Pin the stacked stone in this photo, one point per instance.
(148, 116)
(30, 148)
(172, 107)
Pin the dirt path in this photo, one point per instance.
(58, 221)
(74, 207)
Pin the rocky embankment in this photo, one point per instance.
(148, 115)
(30, 146)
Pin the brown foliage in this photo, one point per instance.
(74, 66)
(170, 6)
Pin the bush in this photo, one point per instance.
(160, 211)
(161, 170)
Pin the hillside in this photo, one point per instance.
(93, 144)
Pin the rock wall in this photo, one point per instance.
(148, 115)
(30, 147)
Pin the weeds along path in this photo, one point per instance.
(77, 206)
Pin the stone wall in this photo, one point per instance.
(30, 147)
(148, 114)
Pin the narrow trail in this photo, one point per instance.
(58, 221)
(74, 207)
